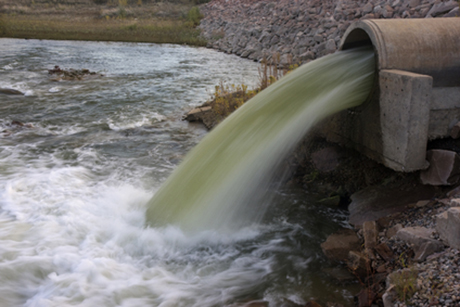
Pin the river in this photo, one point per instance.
(76, 177)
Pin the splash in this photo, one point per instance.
(221, 183)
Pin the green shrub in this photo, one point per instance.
(194, 16)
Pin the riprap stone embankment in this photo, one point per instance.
(300, 30)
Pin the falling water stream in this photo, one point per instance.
(77, 180)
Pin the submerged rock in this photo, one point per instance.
(10, 91)
(71, 74)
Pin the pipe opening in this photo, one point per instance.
(356, 38)
(359, 38)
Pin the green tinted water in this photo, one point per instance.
(221, 183)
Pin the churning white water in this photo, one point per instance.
(76, 178)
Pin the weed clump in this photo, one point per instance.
(194, 16)
(229, 97)
(405, 283)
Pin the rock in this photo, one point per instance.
(393, 230)
(340, 274)
(385, 252)
(338, 245)
(366, 297)
(455, 131)
(442, 8)
(312, 304)
(196, 114)
(415, 235)
(426, 249)
(307, 56)
(371, 233)
(330, 46)
(448, 227)
(420, 238)
(368, 8)
(359, 264)
(444, 168)
(453, 13)
(10, 91)
(256, 304)
(376, 202)
(414, 3)
(389, 297)
(204, 115)
(71, 74)
(422, 203)
(325, 159)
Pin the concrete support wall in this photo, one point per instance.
(392, 127)
(405, 100)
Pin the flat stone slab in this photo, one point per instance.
(448, 226)
(376, 202)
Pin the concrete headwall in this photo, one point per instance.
(301, 30)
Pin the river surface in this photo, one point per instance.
(76, 177)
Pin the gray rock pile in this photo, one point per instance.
(300, 30)
(410, 258)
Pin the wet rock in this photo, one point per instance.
(359, 264)
(444, 168)
(10, 91)
(338, 245)
(370, 232)
(197, 114)
(448, 227)
(340, 274)
(71, 74)
(376, 202)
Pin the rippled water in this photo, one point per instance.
(76, 179)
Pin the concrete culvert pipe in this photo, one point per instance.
(423, 46)
(417, 92)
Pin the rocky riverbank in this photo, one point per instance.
(300, 30)
(404, 248)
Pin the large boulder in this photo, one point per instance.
(420, 237)
(448, 227)
(444, 168)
